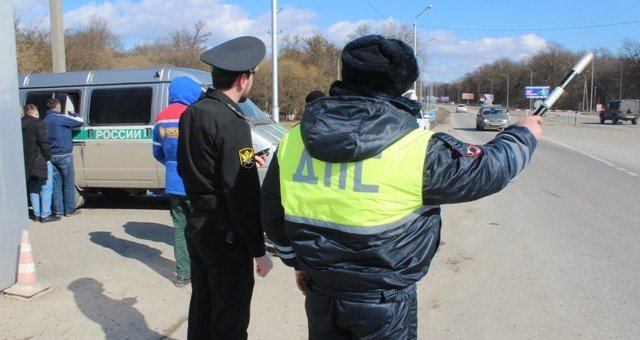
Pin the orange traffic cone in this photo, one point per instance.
(27, 285)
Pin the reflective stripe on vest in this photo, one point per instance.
(363, 197)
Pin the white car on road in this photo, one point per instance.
(461, 108)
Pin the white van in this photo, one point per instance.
(112, 151)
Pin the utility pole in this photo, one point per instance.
(275, 109)
(57, 36)
(621, 64)
(530, 84)
(591, 103)
(585, 98)
(415, 41)
(506, 75)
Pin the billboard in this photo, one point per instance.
(487, 98)
(467, 95)
(536, 91)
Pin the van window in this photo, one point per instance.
(70, 101)
(131, 105)
(614, 105)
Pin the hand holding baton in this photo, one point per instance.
(559, 90)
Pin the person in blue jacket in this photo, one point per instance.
(182, 92)
(59, 126)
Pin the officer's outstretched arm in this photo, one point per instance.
(458, 172)
(273, 214)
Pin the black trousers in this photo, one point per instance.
(394, 317)
(221, 295)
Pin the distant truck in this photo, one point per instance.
(625, 109)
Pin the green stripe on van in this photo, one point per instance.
(111, 134)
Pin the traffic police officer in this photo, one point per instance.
(217, 164)
(352, 196)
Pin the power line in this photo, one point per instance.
(375, 9)
(530, 29)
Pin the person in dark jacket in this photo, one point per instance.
(217, 164)
(59, 127)
(352, 196)
(182, 92)
(38, 169)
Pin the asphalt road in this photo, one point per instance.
(555, 254)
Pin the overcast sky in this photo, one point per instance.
(465, 33)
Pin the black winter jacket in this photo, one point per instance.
(36, 148)
(352, 125)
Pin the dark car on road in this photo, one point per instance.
(617, 110)
(492, 117)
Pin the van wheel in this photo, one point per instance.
(601, 120)
(80, 199)
(614, 121)
(115, 193)
(634, 121)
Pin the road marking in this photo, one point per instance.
(582, 152)
(593, 157)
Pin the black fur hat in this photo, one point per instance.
(375, 62)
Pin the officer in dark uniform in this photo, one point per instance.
(217, 164)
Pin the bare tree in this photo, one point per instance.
(321, 53)
(33, 48)
(180, 48)
(401, 32)
(91, 47)
(306, 64)
(292, 47)
(360, 31)
(631, 51)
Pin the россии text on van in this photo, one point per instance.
(112, 150)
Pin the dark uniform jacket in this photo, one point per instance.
(224, 192)
(350, 126)
(36, 148)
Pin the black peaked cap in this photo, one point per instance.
(236, 55)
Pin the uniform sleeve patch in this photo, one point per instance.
(246, 157)
(458, 147)
(473, 151)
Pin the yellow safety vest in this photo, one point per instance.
(363, 197)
